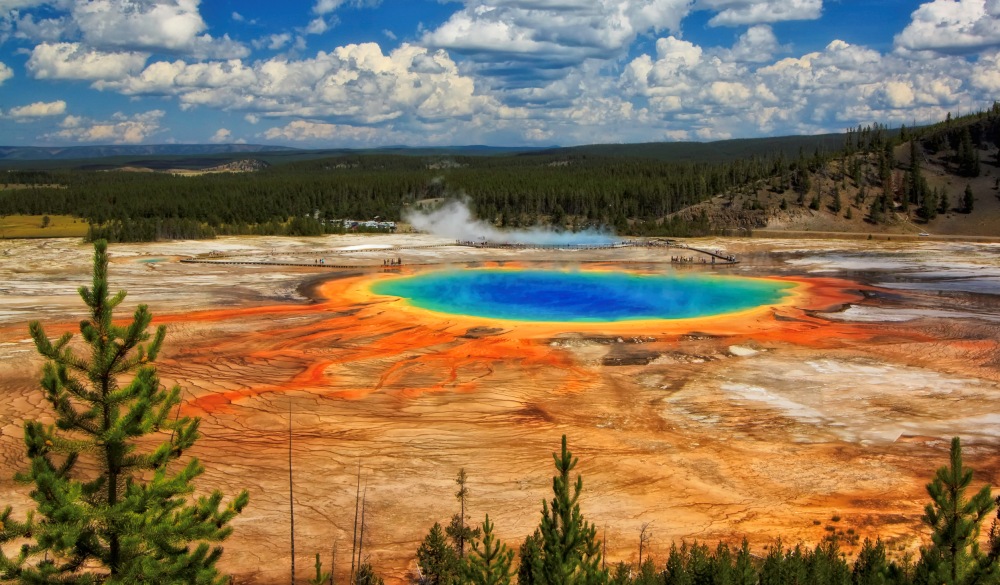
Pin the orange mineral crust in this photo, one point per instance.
(760, 423)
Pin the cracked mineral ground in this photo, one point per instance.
(839, 402)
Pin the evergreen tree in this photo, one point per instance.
(968, 156)
(366, 575)
(571, 553)
(458, 531)
(321, 577)
(968, 200)
(943, 204)
(123, 514)
(530, 555)
(929, 205)
(676, 571)
(871, 566)
(439, 565)
(490, 561)
(744, 572)
(954, 522)
(837, 204)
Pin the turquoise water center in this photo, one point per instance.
(553, 295)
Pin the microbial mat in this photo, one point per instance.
(582, 296)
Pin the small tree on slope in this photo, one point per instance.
(110, 506)
(953, 557)
(490, 561)
(571, 553)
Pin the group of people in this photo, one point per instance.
(393, 262)
(702, 260)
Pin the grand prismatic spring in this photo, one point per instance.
(829, 390)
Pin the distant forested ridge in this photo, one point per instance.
(656, 193)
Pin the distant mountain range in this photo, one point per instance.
(103, 151)
(210, 155)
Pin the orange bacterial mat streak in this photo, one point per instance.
(410, 351)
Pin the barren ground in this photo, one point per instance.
(840, 403)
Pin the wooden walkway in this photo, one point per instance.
(246, 259)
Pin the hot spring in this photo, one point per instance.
(571, 296)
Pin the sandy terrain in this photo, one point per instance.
(771, 422)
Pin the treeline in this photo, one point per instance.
(866, 175)
(565, 549)
(576, 192)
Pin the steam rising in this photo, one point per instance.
(455, 220)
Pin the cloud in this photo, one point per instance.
(389, 34)
(317, 26)
(985, 73)
(120, 129)
(326, 6)
(170, 26)
(236, 16)
(7, 5)
(337, 134)
(952, 26)
(743, 12)
(74, 61)
(709, 93)
(38, 110)
(534, 39)
(355, 84)
(322, 7)
(5, 73)
(221, 135)
(757, 45)
(44, 29)
(274, 42)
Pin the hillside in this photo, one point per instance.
(875, 188)
(878, 181)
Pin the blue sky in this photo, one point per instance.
(362, 73)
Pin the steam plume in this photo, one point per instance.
(455, 220)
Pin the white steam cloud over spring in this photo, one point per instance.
(455, 220)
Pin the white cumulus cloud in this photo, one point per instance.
(120, 129)
(338, 134)
(355, 83)
(952, 26)
(712, 93)
(5, 73)
(742, 12)
(221, 135)
(74, 61)
(169, 26)
(38, 110)
(538, 37)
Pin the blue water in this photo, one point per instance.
(547, 295)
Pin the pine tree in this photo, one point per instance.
(571, 553)
(458, 531)
(929, 205)
(871, 566)
(439, 565)
(968, 200)
(954, 521)
(123, 514)
(490, 561)
(321, 577)
(366, 575)
(529, 556)
(744, 572)
(943, 204)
